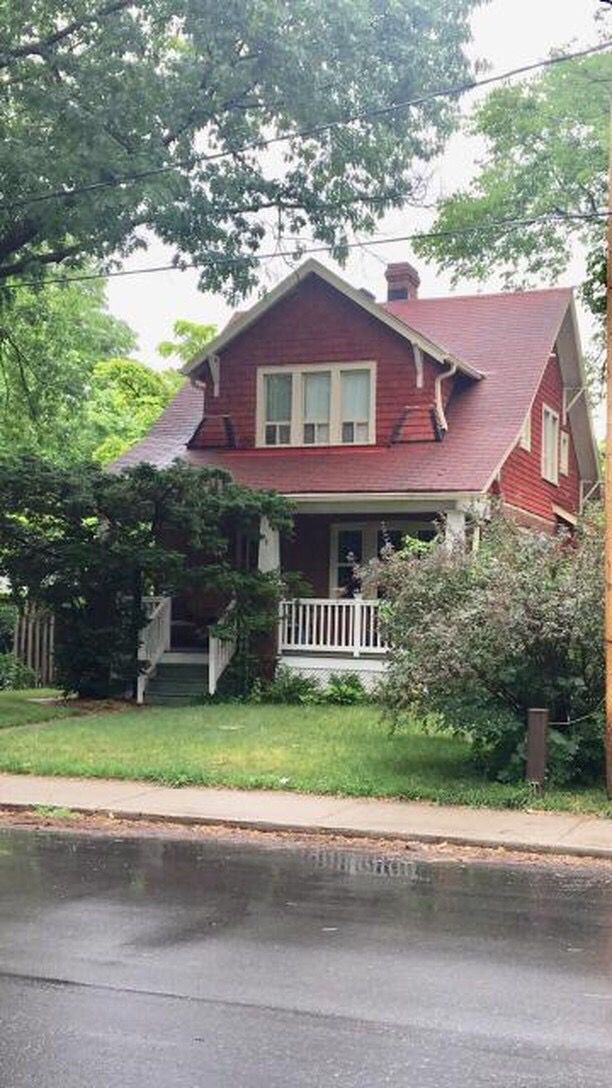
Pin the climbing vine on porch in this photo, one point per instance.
(90, 545)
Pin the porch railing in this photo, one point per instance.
(154, 639)
(322, 625)
(220, 651)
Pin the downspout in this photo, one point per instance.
(438, 394)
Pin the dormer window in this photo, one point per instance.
(355, 406)
(317, 408)
(278, 398)
(316, 405)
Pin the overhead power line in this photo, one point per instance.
(222, 259)
(315, 130)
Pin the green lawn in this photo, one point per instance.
(344, 750)
(21, 707)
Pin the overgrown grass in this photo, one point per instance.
(21, 707)
(319, 749)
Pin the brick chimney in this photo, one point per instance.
(402, 281)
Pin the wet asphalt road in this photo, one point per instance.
(167, 964)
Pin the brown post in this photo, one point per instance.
(537, 746)
(608, 495)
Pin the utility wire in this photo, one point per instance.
(297, 251)
(258, 145)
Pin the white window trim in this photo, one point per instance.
(297, 401)
(564, 451)
(554, 477)
(525, 437)
(370, 530)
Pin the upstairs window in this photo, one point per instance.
(278, 398)
(550, 445)
(355, 406)
(316, 405)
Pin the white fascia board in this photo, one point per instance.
(382, 502)
(580, 410)
(240, 324)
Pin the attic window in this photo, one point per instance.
(278, 409)
(355, 406)
(316, 405)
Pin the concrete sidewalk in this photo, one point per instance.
(540, 832)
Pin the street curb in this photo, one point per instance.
(425, 838)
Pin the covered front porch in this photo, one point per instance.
(334, 624)
(339, 628)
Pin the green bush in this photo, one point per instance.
(287, 687)
(478, 638)
(89, 546)
(14, 674)
(8, 615)
(293, 688)
(344, 689)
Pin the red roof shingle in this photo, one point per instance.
(508, 336)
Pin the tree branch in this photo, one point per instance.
(17, 237)
(42, 46)
(54, 256)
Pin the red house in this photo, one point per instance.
(379, 419)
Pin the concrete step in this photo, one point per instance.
(155, 699)
(188, 690)
(181, 673)
(184, 657)
(180, 679)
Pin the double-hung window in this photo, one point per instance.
(550, 445)
(316, 388)
(316, 405)
(278, 409)
(355, 406)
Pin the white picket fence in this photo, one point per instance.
(322, 625)
(34, 641)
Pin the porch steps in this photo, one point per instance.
(181, 679)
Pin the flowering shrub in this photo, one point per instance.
(480, 637)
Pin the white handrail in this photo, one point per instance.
(324, 625)
(220, 651)
(154, 639)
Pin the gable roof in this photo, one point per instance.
(505, 338)
(240, 322)
(509, 336)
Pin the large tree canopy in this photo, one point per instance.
(95, 91)
(124, 398)
(546, 153)
(50, 343)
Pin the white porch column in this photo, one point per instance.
(269, 547)
(455, 529)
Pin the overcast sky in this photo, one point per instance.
(507, 33)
